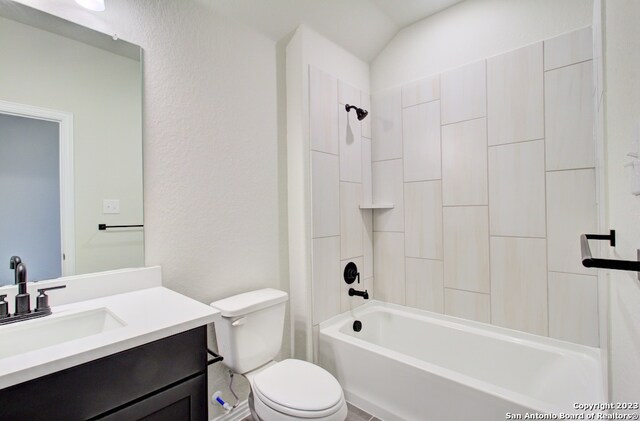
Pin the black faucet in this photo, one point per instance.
(364, 294)
(13, 262)
(23, 300)
(351, 274)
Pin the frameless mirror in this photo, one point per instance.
(70, 147)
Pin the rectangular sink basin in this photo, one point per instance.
(52, 330)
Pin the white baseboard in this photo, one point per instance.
(239, 413)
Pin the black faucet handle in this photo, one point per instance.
(4, 307)
(43, 290)
(42, 300)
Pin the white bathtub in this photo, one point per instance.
(407, 364)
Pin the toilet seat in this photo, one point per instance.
(298, 389)
(296, 413)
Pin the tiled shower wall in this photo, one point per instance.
(491, 170)
(340, 183)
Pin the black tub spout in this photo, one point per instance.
(364, 294)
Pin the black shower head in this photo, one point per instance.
(359, 111)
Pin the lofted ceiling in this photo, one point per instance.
(363, 27)
(406, 12)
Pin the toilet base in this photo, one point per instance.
(252, 410)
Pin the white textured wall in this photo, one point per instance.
(213, 166)
(622, 99)
(471, 31)
(210, 144)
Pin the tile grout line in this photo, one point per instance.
(442, 237)
(546, 203)
(422, 181)
(362, 191)
(338, 298)
(469, 291)
(574, 273)
(404, 198)
(404, 107)
(515, 142)
(564, 66)
(308, 296)
(309, 140)
(463, 206)
(516, 236)
(325, 236)
(466, 120)
(385, 160)
(404, 205)
(571, 169)
(486, 111)
(425, 258)
(324, 152)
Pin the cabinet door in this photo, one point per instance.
(98, 387)
(186, 401)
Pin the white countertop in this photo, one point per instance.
(148, 314)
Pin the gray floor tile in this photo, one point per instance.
(357, 414)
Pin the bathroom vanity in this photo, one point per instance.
(161, 380)
(139, 353)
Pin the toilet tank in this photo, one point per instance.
(249, 330)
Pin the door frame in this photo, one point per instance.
(66, 167)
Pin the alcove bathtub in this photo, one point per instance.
(408, 364)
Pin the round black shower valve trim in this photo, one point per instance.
(351, 273)
(357, 326)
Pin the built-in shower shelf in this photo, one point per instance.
(376, 206)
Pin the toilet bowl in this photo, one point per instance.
(249, 335)
(295, 390)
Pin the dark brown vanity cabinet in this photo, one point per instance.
(165, 380)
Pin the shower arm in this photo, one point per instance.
(350, 107)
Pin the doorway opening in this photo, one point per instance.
(36, 181)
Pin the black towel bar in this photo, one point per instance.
(590, 262)
(216, 357)
(104, 227)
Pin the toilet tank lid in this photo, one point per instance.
(248, 302)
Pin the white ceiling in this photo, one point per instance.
(363, 27)
(406, 12)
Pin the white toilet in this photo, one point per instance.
(249, 335)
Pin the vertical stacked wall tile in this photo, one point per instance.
(388, 267)
(464, 163)
(425, 284)
(491, 171)
(519, 283)
(340, 180)
(515, 96)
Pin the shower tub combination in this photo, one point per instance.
(409, 364)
